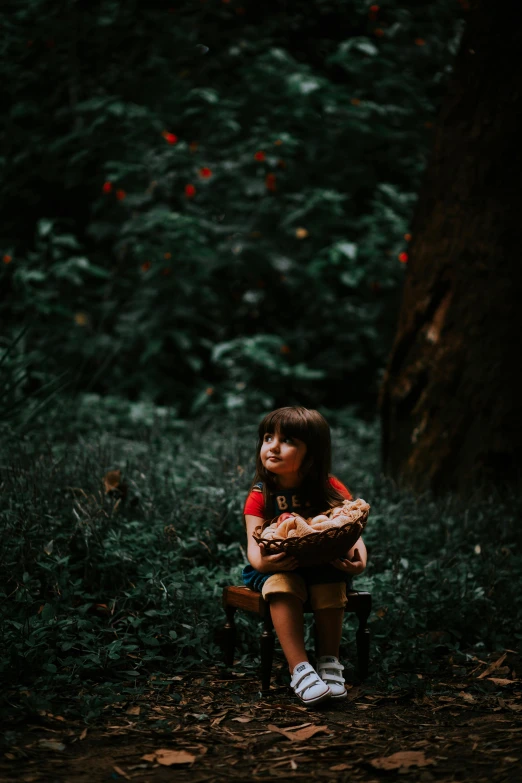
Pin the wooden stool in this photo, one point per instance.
(252, 601)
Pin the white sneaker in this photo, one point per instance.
(330, 671)
(308, 685)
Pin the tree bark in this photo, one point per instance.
(452, 393)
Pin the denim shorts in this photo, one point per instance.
(313, 575)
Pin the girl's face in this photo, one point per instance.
(282, 455)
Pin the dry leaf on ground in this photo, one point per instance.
(167, 757)
(402, 760)
(501, 681)
(51, 745)
(300, 734)
(492, 667)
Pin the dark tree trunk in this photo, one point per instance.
(451, 399)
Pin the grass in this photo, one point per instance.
(100, 591)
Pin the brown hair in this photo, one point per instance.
(313, 429)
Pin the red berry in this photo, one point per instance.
(170, 138)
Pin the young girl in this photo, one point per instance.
(293, 460)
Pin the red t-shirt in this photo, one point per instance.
(255, 504)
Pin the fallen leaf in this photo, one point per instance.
(293, 764)
(134, 710)
(466, 696)
(404, 759)
(501, 681)
(235, 737)
(120, 772)
(51, 744)
(298, 726)
(492, 667)
(112, 480)
(83, 734)
(300, 734)
(167, 757)
(243, 720)
(340, 767)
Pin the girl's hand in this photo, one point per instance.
(353, 567)
(279, 562)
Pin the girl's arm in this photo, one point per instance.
(354, 562)
(361, 548)
(255, 553)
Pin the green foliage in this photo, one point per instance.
(25, 385)
(100, 589)
(138, 285)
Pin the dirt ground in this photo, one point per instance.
(214, 725)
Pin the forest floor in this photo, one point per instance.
(215, 725)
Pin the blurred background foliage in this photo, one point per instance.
(206, 204)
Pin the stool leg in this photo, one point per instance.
(363, 642)
(267, 651)
(229, 636)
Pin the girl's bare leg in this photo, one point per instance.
(329, 627)
(287, 616)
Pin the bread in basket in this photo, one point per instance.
(316, 540)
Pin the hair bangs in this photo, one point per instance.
(291, 422)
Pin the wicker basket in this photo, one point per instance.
(315, 548)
